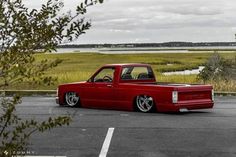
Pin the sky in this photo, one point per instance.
(155, 21)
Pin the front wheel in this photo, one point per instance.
(72, 99)
(144, 103)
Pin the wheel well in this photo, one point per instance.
(134, 103)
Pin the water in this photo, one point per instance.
(185, 72)
(76, 50)
(141, 50)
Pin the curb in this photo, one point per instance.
(225, 93)
(49, 93)
(52, 93)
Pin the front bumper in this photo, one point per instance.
(57, 100)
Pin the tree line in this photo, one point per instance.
(165, 44)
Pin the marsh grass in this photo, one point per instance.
(80, 66)
(224, 85)
(177, 78)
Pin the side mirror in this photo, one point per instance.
(90, 80)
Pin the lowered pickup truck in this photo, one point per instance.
(134, 87)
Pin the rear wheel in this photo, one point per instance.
(72, 99)
(144, 103)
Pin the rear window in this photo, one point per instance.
(137, 73)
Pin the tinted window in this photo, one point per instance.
(137, 73)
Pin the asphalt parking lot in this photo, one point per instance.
(200, 133)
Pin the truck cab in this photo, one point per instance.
(124, 73)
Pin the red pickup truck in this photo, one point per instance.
(134, 87)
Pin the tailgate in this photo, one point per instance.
(195, 93)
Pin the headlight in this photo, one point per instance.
(175, 96)
(212, 95)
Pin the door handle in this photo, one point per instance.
(109, 85)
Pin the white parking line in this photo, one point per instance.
(106, 143)
(41, 156)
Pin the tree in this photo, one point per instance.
(24, 32)
(217, 68)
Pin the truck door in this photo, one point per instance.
(100, 91)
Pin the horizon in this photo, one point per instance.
(150, 43)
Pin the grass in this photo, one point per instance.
(224, 85)
(80, 66)
(178, 78)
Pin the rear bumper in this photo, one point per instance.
(190, 105)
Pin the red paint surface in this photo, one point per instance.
(120, 94)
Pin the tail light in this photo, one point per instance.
(174, 96)
(212, 95)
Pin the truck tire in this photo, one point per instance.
(72, 99)
(144, 103)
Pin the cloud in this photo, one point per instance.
(141, 13)
(153, 20)
(194, 10)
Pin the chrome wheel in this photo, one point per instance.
(144, 103)
(72, 99)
